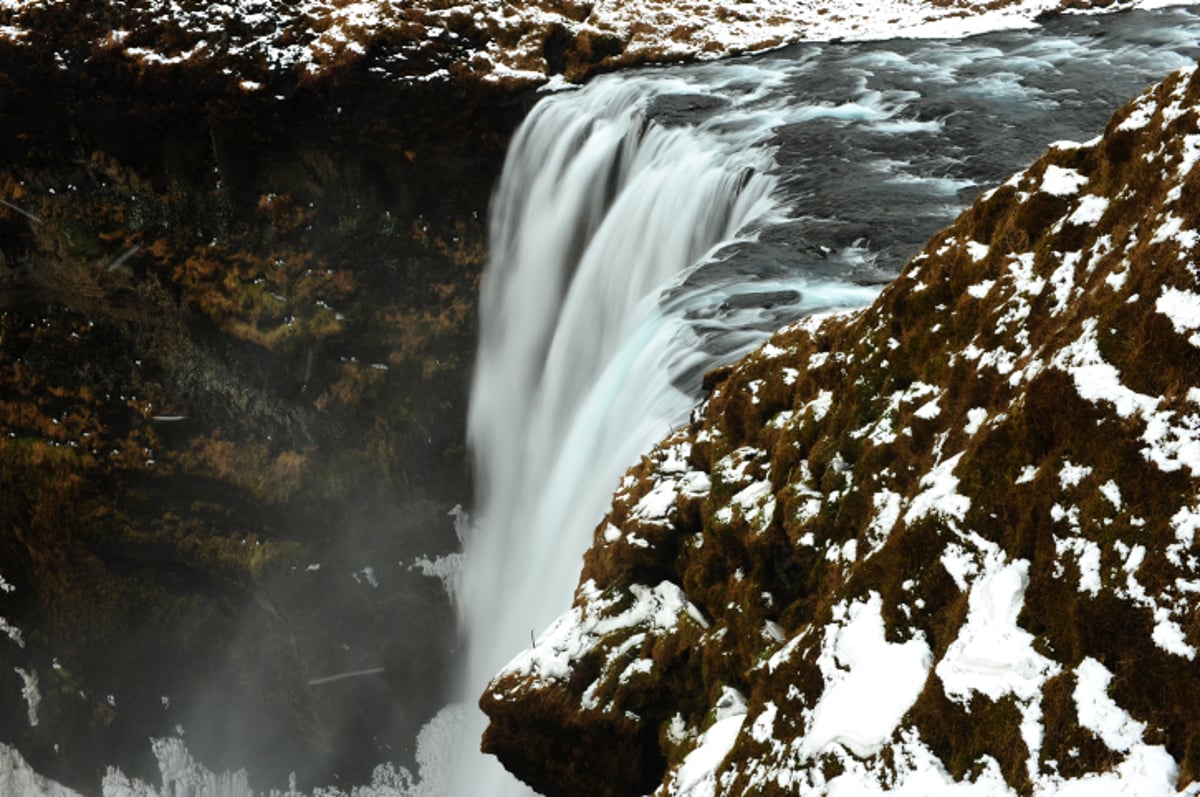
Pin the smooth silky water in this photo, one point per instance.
(660, 222)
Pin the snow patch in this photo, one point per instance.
(594, 616)
(1090, 210)
(1182, 308)
(1058, 181)
(870, 683)
(992, 655)
(940, 496)
(1099, 713)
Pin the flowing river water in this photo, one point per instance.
(661, 222)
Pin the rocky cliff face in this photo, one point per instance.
(235, 325)
(946, 541)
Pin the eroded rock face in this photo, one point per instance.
(949, 538)
(235, 335)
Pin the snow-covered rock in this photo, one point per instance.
(252, 41)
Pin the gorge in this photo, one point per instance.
(688, 212)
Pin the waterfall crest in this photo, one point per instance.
(598, 209)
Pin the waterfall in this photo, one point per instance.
(598, 209)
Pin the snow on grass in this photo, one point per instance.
(869, 682)
(975, 418)
(1091, 209)
(1182, 308)
(654, 506)
(1099, 713)
(960, 564)
(1058, 181)
(695, 484)
(1070, 475)
(992, 655)
(883, 430)
(1172, 229)
(887, 505)
(940, 496)
(1063, 281)
(918, 772)
(1097, 380)
(980, 289)
(574, 633)
(732, 468)
(1146, 770)
(1167, 634)
(977, 251)
(819, 407)
(1190, 153)
(697, 775)
(928, 411)
(1172, 442)
(508, 40)
(1027, 475)
(1141, 114)
(1185, 523)
(1111, 491)
(1087, 559)
(763, 728)
(756, 504)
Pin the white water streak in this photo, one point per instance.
(598, 210)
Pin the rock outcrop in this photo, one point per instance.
(948, 539)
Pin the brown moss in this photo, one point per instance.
(962, 736)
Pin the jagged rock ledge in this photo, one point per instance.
(946, 541)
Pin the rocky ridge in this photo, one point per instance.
(251, 42)
(946, 543)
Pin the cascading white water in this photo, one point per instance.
(597, 209)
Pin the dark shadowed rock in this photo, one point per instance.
(234, 328)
